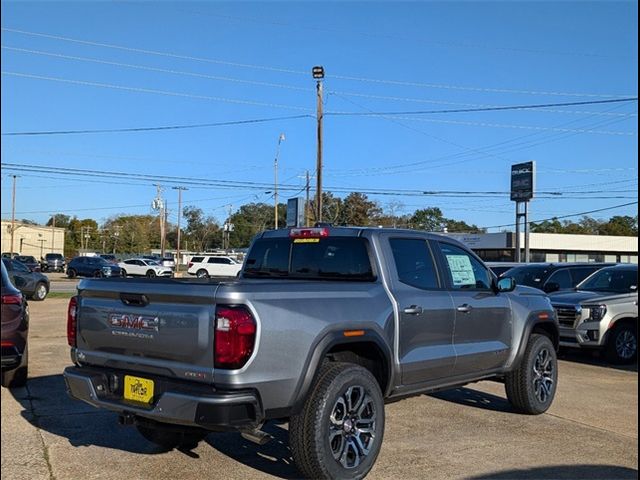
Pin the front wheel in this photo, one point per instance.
(123, 273)
(151, 274)
(532, 386)
(170, 439)
(622, 345)
(40, 292)
(339, 431)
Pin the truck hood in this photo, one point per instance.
(582, 296)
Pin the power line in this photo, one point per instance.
(157, 92)
(151, 129)
(568, 216)
(485, 109)
(305, 72)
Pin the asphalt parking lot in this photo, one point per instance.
(591, 431)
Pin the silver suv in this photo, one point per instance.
(602, 312)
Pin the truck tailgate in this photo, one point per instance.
(162, 327)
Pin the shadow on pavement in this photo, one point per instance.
(562, 472)
(475, 398)
(596, 358)
(274, 458)
(47, 406)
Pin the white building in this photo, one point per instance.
(552, 247)
(33, 240)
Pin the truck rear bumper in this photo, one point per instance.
(197, 406)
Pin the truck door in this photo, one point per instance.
(482, 329)
(426, 349)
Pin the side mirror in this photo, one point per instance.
(551, 287)
(506, 284)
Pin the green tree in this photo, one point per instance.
(358, 210)
(429, 219)
(62, 220)
(202, 232)
(620, 226)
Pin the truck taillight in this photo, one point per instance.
(72, 321)
(235, 336)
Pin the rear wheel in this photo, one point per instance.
(71, 273)
(40, 292)
(339, 431)
(531, 387)
(169, 438)
(202, 273)
(622, 345)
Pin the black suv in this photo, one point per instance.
(551, 277)
(92, 267)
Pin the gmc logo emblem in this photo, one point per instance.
(134, 322)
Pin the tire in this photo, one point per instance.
(150, 274)
(40, 292)
(202, 273)
(323, 442)
(17, 378)
(532, 386)
(168, 439)
(98, 274)
(123, 273)
(71, 273)
(622, 344)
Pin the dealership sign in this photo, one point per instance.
(523, 181)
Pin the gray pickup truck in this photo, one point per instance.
(322, 327)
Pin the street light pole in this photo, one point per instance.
(275, 171)
(318, 74)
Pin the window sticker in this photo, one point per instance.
(461, 270)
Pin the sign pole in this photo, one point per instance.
(517, 258)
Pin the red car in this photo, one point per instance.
(15, 328)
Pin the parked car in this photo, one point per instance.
(322, 327)
(9, 255)
(92, 267)
(205, 266)
(602, 313)
(33, 285)
(53, 262)
(15, 330)
(501, 267)
(30, 262)
(551, 277)
(142, 267)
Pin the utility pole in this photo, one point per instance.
(306, 203)
(13, 211)
(318, 74)
(163, 245)
(180, 189)
(41, 240)
(275, 171)
(158, 205)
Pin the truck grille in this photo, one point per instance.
(567, 315)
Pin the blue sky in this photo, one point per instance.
(230, 61)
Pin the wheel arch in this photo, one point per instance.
(542, 322)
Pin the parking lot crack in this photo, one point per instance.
(36, 422)
(633, 437)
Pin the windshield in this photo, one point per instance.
(614, 280)
(53, 256)
(332, 258)
(528, 275)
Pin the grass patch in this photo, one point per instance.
(61, 294)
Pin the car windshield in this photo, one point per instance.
(528, 275)
(613, 280)
(53, 256)
(26, 259)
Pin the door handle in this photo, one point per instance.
(464, 308)
(413, 310)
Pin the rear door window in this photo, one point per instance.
(414, 262)
(562, 277)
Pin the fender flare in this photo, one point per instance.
(533, 320)
(322, 347)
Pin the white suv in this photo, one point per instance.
(205, 266)
(143, 267)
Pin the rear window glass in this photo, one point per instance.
(530, 276)
(197, 259)
(332, 258)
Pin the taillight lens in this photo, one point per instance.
(309, 232)
(12, 299)
(190, 264)
(72, 321)
(235, 337)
